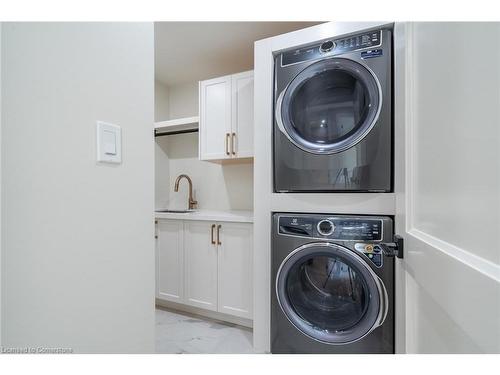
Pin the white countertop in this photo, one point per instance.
(240, 216)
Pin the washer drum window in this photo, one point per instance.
(330, 293)
(329, 106)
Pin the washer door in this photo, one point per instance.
(330, 293)
(329, 106)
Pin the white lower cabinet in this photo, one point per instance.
(200, 267)
(235, 269)
(170, 260)
(206, 264)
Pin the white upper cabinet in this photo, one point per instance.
(242, 114)
(215, 118)
(226, 117)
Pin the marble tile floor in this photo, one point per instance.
(179, 333)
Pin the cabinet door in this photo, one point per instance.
(235, 282)
(200, 273)
(242, 114)
(170, 260)
(215, 118)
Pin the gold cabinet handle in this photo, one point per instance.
(218, 234)
(233, 142)
(227, 144)
(212, 234)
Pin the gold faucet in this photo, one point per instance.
(191, 202)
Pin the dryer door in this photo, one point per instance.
(329, 106)
(330, 293)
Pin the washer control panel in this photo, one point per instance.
(372, 251)
(325, 227)
(296, 226)
(327, 47)
(332, 228)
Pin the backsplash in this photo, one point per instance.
(215, 186)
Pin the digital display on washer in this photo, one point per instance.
(332, 47)
(359, 229)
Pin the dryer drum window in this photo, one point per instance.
(328, 294)
(329, 106)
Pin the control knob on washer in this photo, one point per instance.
(325, 227)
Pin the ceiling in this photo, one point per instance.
(194, 51)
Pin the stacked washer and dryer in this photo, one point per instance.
(333, 275)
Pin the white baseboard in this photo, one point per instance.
(205, 313)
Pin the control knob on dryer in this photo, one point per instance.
(327, 46)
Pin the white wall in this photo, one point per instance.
(78, 243)
(1, 240)
(183, 100)
(216, 186)
(178, 101)
(162, 113)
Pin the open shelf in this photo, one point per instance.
(176, 126)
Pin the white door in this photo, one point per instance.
(215, 118)
(242, 115)
(447, 152)
(170, 260)
(200, 252)
(235, 283)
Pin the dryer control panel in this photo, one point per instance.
(331, 47)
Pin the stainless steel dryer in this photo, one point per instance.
(332, 284)
(333, 115)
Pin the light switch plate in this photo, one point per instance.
(109, 143)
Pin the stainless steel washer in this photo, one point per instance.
(332, 284)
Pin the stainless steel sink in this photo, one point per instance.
(175, 211)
